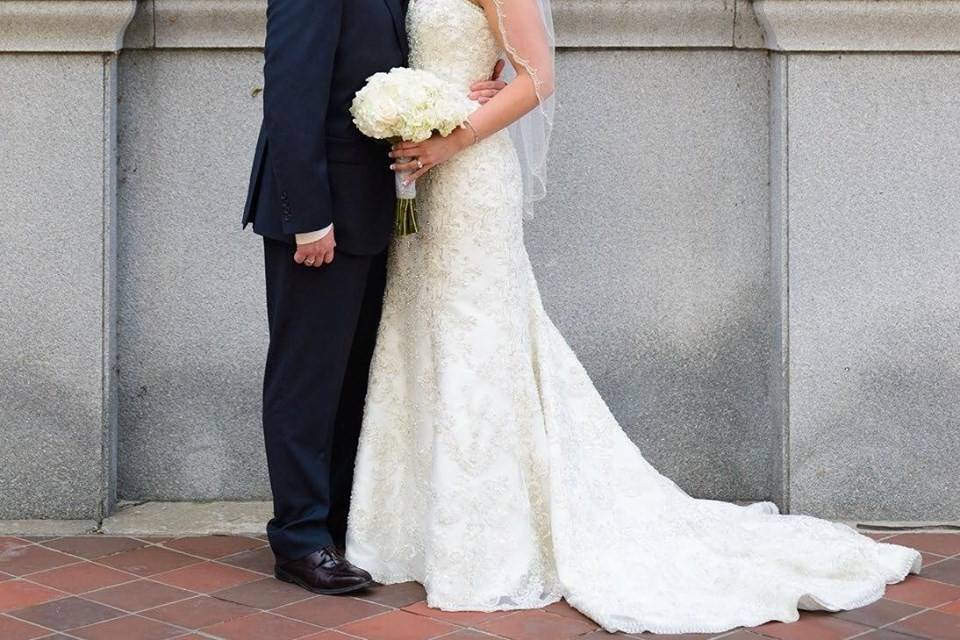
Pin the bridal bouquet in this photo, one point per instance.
(408, 105)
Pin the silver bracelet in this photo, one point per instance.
(469, 125)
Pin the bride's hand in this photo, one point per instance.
(429, 153)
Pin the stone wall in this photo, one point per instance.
(750, 241)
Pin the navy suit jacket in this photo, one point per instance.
(312, 166)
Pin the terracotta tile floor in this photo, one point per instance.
(221, 587)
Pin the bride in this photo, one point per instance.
(489, 468)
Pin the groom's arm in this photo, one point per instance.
(302, 38)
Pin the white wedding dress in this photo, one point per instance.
(491, 471)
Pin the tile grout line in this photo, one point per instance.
(36, 624)
(221, 561)
(136, 577)
(185, 630)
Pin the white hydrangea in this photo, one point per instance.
(408, 104)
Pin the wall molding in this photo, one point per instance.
(64, 25)
(644, 23)
(210, 23)
(580, 23)
(860, 25)
(778, 25)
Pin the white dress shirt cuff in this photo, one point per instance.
(313, 236)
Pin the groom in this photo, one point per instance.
(322, 196)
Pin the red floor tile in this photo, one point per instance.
(139, 595)
(331, 611)
(880, 613)
(883, 634)
(535, 625)
(261, 626)
(395, 595)
(17, 594)
(148, 560)
(563, 609)
(460, 618)
(944, 544)
(93, 547)
(38, 538)
(202, 611)
(80, 578)
(266, 593)
(332, 634)
(929, 559)
(952, 608)
(473, 634)
(20, 561)
(812, 626)
(213, 546)
(155, 539)
(13, 629)
(128, 628)
(206, 577)
(947, 571)
(934, 625)
(8, 543)
(922, 592)
(259, 560)
(68, 613)
(399, 625)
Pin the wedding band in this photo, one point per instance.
(419, 163)
(309, 263)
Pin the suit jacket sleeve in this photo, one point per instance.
(302, 38)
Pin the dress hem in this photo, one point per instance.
(910, 564)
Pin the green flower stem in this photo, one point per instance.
(406, 218)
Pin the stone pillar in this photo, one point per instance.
(866, 140)
(58, 85)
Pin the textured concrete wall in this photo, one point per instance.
(652, 253)
(192, 324)
(55, 208)
(874, 228)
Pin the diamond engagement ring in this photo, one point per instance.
(419, 163)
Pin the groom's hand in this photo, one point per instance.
(316, 254)
(483, 91)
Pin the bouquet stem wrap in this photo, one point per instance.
(406, 215)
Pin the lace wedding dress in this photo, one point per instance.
(491, 471)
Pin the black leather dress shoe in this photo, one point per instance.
(325, 571)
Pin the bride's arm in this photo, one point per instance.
(519, 26)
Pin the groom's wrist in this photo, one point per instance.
(313, 236)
